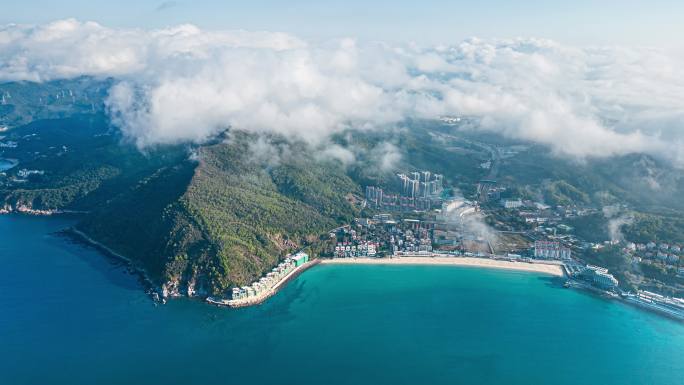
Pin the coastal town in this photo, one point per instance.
(420, 223)
(418, 217)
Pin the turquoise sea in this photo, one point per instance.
(69, 315)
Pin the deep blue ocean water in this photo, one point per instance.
(6, 164)
(69, 315)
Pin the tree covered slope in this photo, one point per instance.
(223, 219)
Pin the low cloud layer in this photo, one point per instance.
(185, 84)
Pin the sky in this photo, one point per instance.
(584, 78)
(577, 22)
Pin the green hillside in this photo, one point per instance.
(226, 219)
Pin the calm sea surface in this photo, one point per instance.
(6, 164)
(69, 315)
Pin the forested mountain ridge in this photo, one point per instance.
(199, 218)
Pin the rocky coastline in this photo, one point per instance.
(155, 292)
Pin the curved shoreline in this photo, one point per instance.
(542, 268)
(261, 298)
(535, 267)
(556, 270)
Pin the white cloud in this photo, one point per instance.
(386, 156)
(185, 84)
(337, 152)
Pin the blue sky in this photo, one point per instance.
(579, 22)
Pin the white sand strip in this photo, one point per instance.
(545, 268)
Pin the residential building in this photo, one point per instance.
(551, 250)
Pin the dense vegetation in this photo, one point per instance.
(255, 213)
(84, 162)
(644, 275)
(25, 102)
(206, 217)
(226, 218)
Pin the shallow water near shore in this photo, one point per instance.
(70, 315)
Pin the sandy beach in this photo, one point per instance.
(544, 268)
(555, 270)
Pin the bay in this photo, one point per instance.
(70, 315)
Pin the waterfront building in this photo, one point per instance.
(263, 284)
(236, 293)
(600, 277)
(300, 258)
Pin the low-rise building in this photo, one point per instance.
(300, 259)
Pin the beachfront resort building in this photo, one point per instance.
(272, 278)
(300, 259)
(599, 276)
